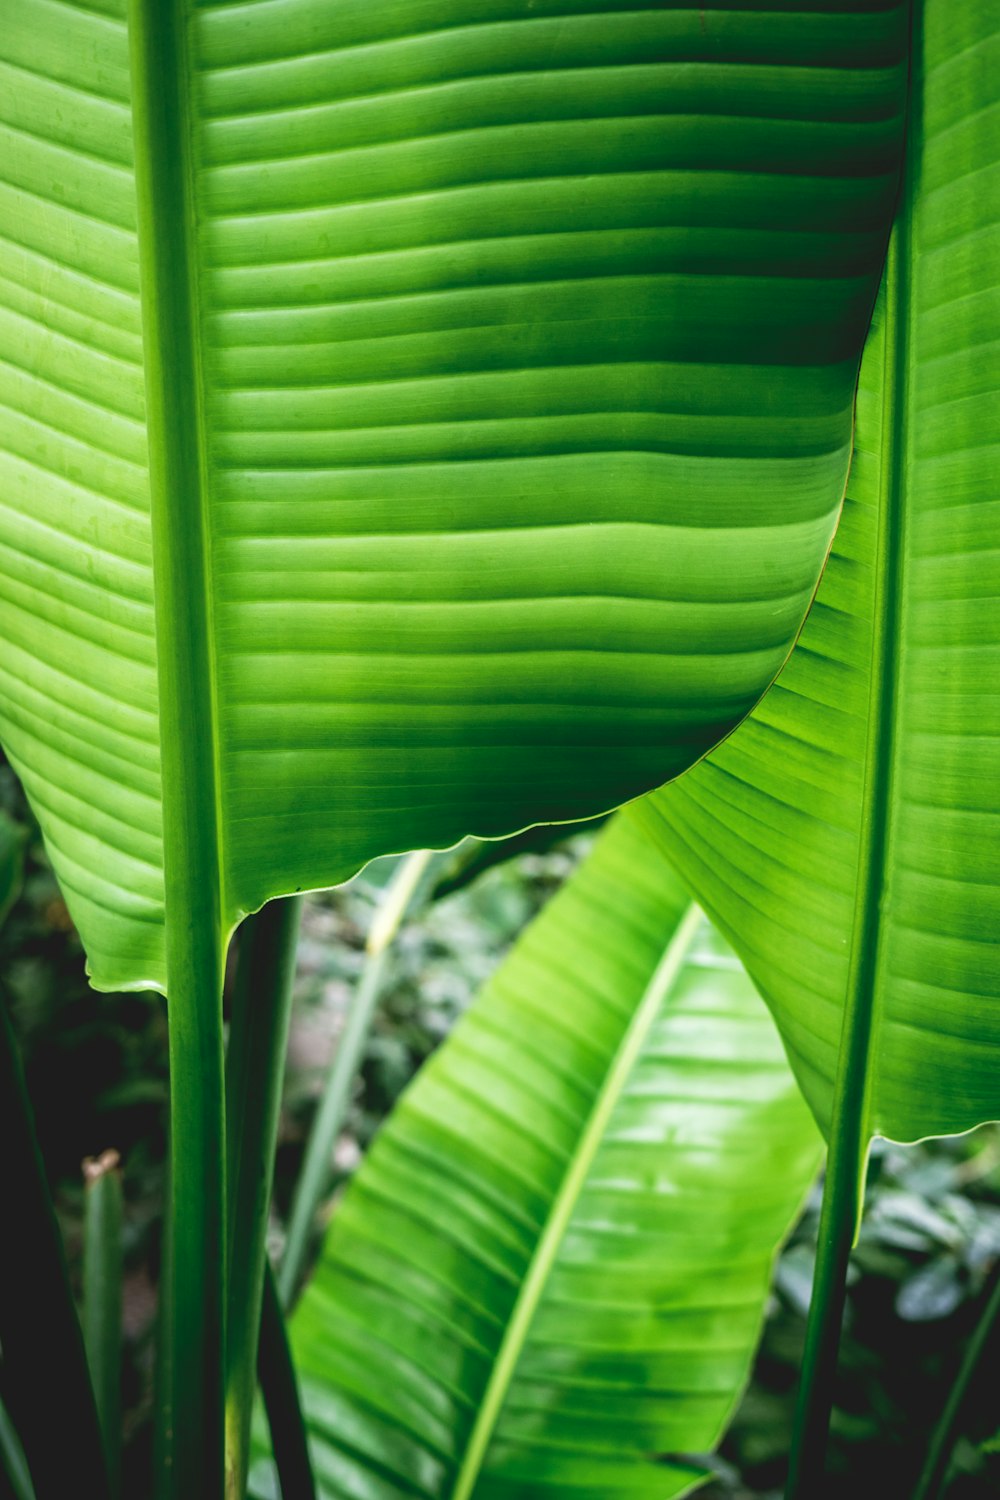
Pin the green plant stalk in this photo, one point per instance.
(255, 1063)
(13, 1465)
(196, 1298)
(44, 1358)
(102, 1300)
(329, 1120)
(280, 1389)
(838, 1219)
(160, 79)
(849, 1131)
(336, 1095)
(163, 1390)
(930, 1485)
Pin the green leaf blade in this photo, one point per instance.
(872, 767)
(516, 413)
(553, 1263)
(547, 422)
(78, 685)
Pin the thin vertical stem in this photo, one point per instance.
(849, 1131)
(37, 1314)
(163, 1376)
(102, 1299)
(336, 1095)
(196, 1296)
(838, 1220)
(849, 1128)
(327, 1126)
(280, 1389)
(255, 1062)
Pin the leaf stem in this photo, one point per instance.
(102, 1299)
(850, 1124)
(196, 1302)
(161, 80)
(255, 1064)
(37, 1313)
(163, 1378)
(838, 1219)
(336, 1095)
(280, 1389)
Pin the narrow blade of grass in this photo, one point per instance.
(102, 1299)
(337, 1092)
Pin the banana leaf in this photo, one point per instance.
(547, 1278)
(846, 837)
(415, 420)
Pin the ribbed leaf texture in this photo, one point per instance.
(472, 379)
(846, 837)
(548, 1276)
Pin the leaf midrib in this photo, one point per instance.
(189, 757)
(578, 1168)
(850, 1125)
(178, 473)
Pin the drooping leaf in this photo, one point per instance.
(548, 1276)
(847, 837)
(417, 419)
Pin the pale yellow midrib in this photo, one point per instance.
(528, 1298)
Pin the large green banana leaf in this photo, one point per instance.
(547, 1278)
(847, 837)
(416, 418)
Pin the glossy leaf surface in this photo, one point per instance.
(552, 1265)
(416, 419)
(846, 837)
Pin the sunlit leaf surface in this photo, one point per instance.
(470, 384)
(847, 838)
(548, 1275)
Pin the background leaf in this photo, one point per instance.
(551, 1268)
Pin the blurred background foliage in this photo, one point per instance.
(927, 1260)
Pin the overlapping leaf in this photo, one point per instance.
(549, 1273)
(478, 433)
(847, 838)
